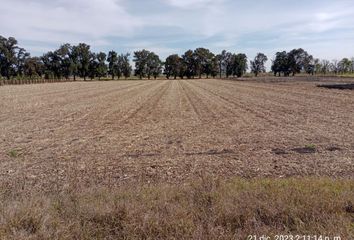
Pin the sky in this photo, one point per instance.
(325, 28)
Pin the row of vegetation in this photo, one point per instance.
(79, 61)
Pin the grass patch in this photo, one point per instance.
(14, 153)
(204, 209)
(311, 146)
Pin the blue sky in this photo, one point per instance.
(324, 28)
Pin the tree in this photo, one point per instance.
(211, 67)
(74, 61)
(318, 65)
(64, 53)
(325, 66)
(84, 56)
(202, 57)
(222, 60)
(147, 64)
(33, 67)
(52, 65)
(21, 57)
(112, 63)
(125, 66)
(298, 59)
(345, 65)
(182, 69)
(281, 64)
(101, 65)
(141, 59)
(154, 65)
(92, 66)
(334, 66)
(8, 56)
(230, 59)
(188, 61)
(173, 66)
(257, 65)
(240, 65)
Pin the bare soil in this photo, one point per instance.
(173, 130)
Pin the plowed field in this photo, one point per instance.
(173, 130)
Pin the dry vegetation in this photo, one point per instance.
(129, 159)
(206, 209)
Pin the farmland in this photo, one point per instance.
(116, 134)
(173, 130)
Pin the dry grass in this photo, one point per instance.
(204, 209)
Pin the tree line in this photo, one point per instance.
(72, 61)
(298, 60)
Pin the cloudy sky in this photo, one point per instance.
(325, 28)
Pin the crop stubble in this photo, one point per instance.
(172, 130)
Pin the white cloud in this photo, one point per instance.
(65, 20)
(193, 3)
(170, 26)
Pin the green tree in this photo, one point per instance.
(21, 57)
(202, 59)
(74, 61)
(211, 66)
(298, 60)
(92, 66)
(64, 53)
(52, 65)
(172, 66)
(112, 63)
(154, 65)
(229, 64)
(257, 65)
(101, 65)
(222, 60)
(281, 64)
(8, 56)
(147, 64)
(84, 56)
(33, 67)
(141, 59)
(345, 65)
(317, 66)
(125, 66)
(240, 65)
(188, 61)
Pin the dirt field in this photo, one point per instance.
(171, 131)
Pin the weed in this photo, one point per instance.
(14, 153)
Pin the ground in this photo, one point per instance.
(173, 130)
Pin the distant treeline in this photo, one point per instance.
(70, 62)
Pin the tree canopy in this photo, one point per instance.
(70, 61)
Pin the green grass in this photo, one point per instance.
(203, 209)
(14, 153)
(311, 146)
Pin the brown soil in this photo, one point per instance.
(171, 131)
